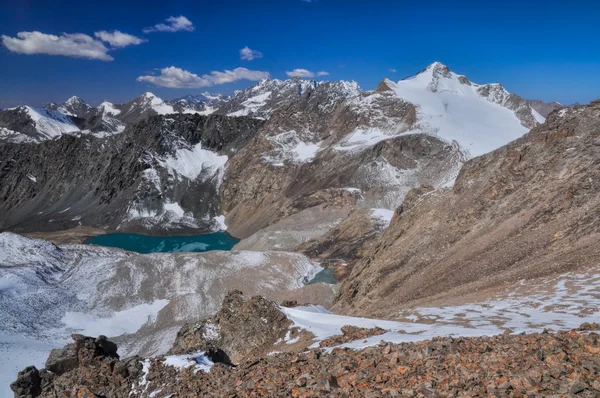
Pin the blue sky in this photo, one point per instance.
(538, 49)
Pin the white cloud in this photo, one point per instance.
(119, 39)
(76, 45)
(392, 70)
(175, 24)
(248, 54)
(304, 73)
(173, 77)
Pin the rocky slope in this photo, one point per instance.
(503, 365)
(525, 210)
(544, 108)
(162, 174)
(299, 155)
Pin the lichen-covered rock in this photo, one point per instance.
(28, 383)
(351, 333)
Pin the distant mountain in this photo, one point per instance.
(263, 98)
(544, 108)
(25, 123)
(446, 102)
(75, 106)
(480, 117)
(203, 104)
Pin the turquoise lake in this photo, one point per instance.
(325, 276)
(166, 244)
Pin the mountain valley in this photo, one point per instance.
(441, 207)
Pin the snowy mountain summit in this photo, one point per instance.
(480, 117)
(75, 106)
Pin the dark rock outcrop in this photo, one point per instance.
(544, 108)
(243, 328)
(351, 333)
(70, 181)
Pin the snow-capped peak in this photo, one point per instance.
(149, 100)
(74, 106)
(437, 66)
(74, 100)
(108, 109)
(49, 123)
(478, 117)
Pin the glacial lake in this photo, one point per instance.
(166, 244)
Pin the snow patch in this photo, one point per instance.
(383, 216)
(121, 322)
(108, 109)
(199, 361)
(157, 104)
(50, 123)
(194, 161)
(220, 220)
(557, 303)
(289, 147)
(364, 138)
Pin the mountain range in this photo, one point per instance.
(142, 162)
(75, 116)
(440, 206)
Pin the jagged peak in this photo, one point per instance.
(148, 95)
(75, 100)
(385, 85)
(437, 66)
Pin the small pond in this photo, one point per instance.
(324, 276)
(166, 244)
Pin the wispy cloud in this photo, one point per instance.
(173, 77)
(174, 24)
(304, 73)
(77, 45)
(247, 54)
(119, 39)
(392, 70)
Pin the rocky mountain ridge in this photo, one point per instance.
(258, 101)
(143, 179)
(316, 144)
(525, 210)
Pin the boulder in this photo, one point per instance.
(28, 383)
(243, 328)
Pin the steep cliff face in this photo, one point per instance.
(162, 174)
(527, 209)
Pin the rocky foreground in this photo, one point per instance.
(539, 364)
